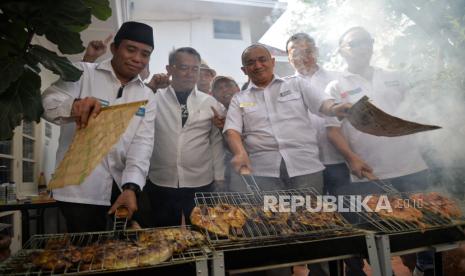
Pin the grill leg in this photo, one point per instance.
(201, 268)
(384, 253)
(438, 269)
(373, 253)
(336, 268)
(217, 264)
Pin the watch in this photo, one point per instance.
(133, 187)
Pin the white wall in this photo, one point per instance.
(223, 55)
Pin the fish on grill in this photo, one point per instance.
(400, 211)
(218, 219)
(179, 239)
(318, 219)
(438, 203)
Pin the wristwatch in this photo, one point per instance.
(133, 187)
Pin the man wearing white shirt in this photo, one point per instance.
(303, 56)
(394, 160)
(279, 146)
(110, 82)
(272, 115)
(188, 152)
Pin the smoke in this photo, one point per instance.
(426, 46)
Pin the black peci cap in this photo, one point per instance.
(135, 31)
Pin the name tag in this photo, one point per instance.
(247, 104)
(104, 103)
(285, 93)
(351, 92)
(141, 112)
(392, 83)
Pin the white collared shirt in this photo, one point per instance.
(128, 160)
(275, 125)
(189, 156)
(328, 153)
(388, 156)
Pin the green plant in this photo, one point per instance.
(20, 20)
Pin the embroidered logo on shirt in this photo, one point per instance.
(351, 92)
(247, 104)
(141, 112)
(103, 103)
(392, 83)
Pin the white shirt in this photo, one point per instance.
(328, 153)
(189, 156)
(275, 125)
(388, 156)
(128, 160)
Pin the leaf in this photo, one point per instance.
(100, 8)
(68, 42)
(22, 100)
(10, 70)
(58, 65)
(68, 12)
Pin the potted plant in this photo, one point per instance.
(20, 20)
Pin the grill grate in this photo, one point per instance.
(125, 253)
(430, 219)
(263, 226)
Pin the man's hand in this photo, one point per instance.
(359, 168)
(96, 49)
(217, 119)
(241, 163)
(341, 110)
(84, 108)
(159, 81)
(127, 199)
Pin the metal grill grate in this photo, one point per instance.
(128, 255)
(429, 219)
(263, 226)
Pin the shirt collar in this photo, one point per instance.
(317, 72)
(276, 78)
(346, 73)
(106, 66)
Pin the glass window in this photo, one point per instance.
(48, 130)
(28, 128)
(28, 171)
(6, 147)
(227, 29)
(5, 169)
(28, 148)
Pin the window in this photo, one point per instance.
(6, 161)
(227, 29)
(18, 156)
(28, 152)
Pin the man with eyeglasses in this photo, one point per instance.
(394, 160)
(188, 152)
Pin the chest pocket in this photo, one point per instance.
(288, 95)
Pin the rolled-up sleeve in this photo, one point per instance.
(234, 116)
(140, 149)
(58, 100)
(333, 89)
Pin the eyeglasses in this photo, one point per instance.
(186, 68)
(367, 42)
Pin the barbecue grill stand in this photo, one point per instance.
(438, 240)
